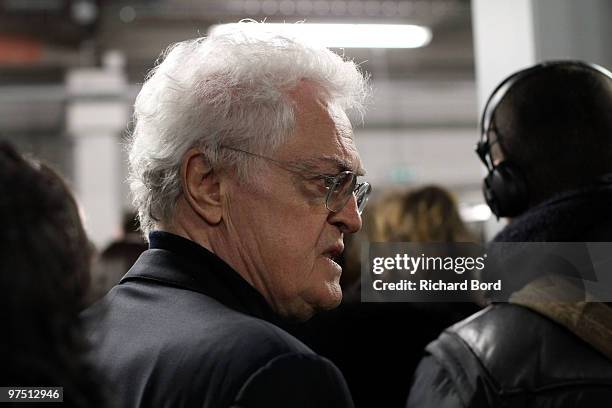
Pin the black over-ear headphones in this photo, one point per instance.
(504, 187)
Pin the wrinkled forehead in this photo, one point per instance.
(323, 135)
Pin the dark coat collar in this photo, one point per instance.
(175, 261)
(574, 216)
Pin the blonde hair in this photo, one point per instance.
(427, 214)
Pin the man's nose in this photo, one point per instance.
(348, 218)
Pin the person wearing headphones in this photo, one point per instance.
(546, 140)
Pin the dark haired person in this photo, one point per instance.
(547, 143)
(116, 259)
(44, 276)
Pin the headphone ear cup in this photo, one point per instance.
(505, 191)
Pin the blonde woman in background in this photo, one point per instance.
(426, 214)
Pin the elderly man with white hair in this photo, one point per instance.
(245, 176)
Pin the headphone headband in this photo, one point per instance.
(509, 82)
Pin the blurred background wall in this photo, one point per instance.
(70, 70)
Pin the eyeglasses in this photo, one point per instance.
(488, 148)
(339, 187)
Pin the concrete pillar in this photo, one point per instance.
(503, 41)
(511, 35)
(573, 29)
(97, 114)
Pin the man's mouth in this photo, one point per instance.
(334, 253)
(333, 258)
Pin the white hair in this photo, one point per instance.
(224, 90)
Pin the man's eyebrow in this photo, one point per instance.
(324, 163)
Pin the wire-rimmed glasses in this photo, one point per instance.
(339, 187)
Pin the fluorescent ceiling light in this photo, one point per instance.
(339, 35)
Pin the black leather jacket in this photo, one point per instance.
(509, 356)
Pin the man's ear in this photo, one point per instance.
(201, 186)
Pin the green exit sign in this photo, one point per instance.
(402, 174)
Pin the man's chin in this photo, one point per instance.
(333, 299)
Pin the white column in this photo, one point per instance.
(503, 41)
(573, 29)
(97, 114)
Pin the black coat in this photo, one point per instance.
(509, 356)
(182, 329)
(512, 356)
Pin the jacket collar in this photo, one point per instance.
(172, 260)
(564, 303)
(573, 216)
